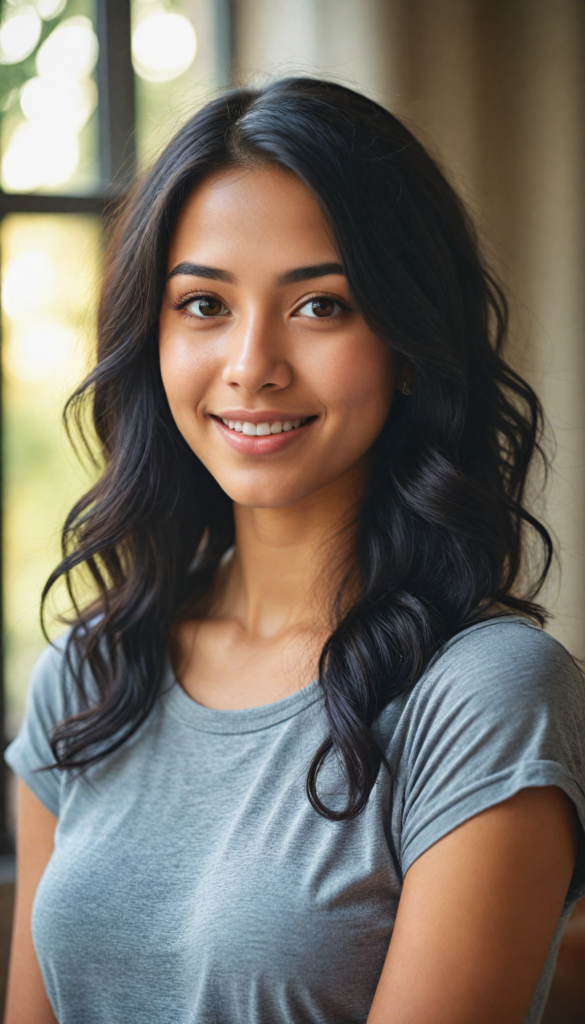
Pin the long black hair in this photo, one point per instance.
(443, 533)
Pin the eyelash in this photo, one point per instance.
(192, 297)
(344, 307)
(182, 303)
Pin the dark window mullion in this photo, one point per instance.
(30, 203)
(223, 18)
(116, 95)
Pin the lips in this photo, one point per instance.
(264, 428)
(262, 437)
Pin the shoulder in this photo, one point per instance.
(51, 698)
(507, 660)
(49, 683)
(53, 693)
(500, 708)
(498, 678)
(504, 633)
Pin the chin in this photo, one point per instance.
(266, 496)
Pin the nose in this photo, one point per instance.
(255, 359)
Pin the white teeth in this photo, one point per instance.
(262, 429)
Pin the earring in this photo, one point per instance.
(405, 389)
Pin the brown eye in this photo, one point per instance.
(207, 306)
(321, 307)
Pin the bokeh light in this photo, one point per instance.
(19, 34)
(29, 280)
(50, 8)
(175, 58)
(39, 351)
(39, 154)
(164, 46)
(42, 151)
(71, 49)
(60, 100)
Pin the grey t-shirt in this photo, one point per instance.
(192, 882)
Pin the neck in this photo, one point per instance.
(285, 559)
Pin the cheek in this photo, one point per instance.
(184, 370)
(359, 381)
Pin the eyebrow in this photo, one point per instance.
(200, 270)
(289, 277)
(307, 273)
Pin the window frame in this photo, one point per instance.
(117, 148)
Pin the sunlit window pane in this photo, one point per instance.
(175, 65)
(50, 268)
(48, 97)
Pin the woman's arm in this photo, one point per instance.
(27, 1001)
(477, 915)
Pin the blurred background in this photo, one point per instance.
(90, 90)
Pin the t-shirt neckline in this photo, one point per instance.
(240, 720)
(243, 720)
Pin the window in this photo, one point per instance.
(89, 91)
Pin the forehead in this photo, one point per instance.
(261, 211)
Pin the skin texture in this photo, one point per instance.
(479, 908)
(477, 914)
(270, 356)
(26, 1001)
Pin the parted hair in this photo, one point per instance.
(443, 533)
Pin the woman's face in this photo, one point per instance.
(273, 377)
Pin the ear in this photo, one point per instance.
(405, 378)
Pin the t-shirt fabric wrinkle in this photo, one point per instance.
(193, 883)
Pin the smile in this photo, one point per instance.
(263, 429)
(265, 438)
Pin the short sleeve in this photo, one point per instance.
(502, 709)
(47, 705)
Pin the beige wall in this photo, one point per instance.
(496, 87)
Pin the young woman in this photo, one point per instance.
(308, 757)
